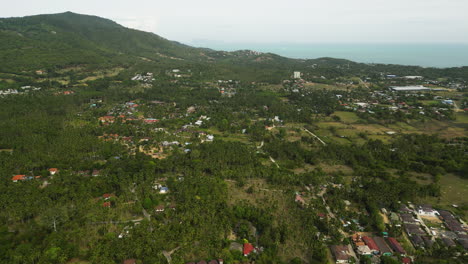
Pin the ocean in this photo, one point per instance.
(425, 55)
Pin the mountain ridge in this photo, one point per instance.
(69, 39)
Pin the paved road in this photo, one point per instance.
(365, 84)
(315, 136)
(274, 161)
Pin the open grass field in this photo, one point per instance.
(347, 117)
(429, 102)
(462, 118)
(227, 136)
(321, 86)
(454, 191)
(101, 74)
(443, 129)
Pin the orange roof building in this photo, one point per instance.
(18, 178)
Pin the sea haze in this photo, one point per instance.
(426, 55)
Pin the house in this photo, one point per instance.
(209, 138)
(396, 246)
(248, 248)
(446, 215)
(408, 218)
(371, 244)
(454, 226)
(202, 262)
(413, 77)
(130, 261)
(406, 261)
(96, 173)
(299, 199)
(428, 241)
(106, 204)
(53, 171)
(160, 208)
(163, 190)
(448, 242)
(413, 229)
(17, 178)
(357, 239)
(150, 120)
(426, 209)
(447, 102)
(405, 209)
(107, 196)
(463, 243)
(341, 253)
(321, 216)
(107, 119)
(417, 241)
(364, 250)
(418, 88)
(384, 248)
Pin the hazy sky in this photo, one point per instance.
(273, 21)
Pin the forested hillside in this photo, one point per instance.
(69, 39)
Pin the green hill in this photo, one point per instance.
(68, 39)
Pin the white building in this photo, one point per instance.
(364, 250)
(414, 77)
(427, 210)
(418, 88)
(297, 75)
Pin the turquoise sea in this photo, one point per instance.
(426, 55)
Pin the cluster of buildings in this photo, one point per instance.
(23, 177)
(125, 113)
(24, 89)
(177, 73)
(370, 247)
(413, 220)
(147, 78)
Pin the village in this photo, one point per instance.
(160, 128)
(423, 226)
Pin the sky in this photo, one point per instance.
(273, 21)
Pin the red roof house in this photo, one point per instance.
(406, 260)
(107, 196)
(52, 171)
(18, 178)
(370, 243)
(248, 248)
(106, 204)
(396, 246)
(299, 199)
